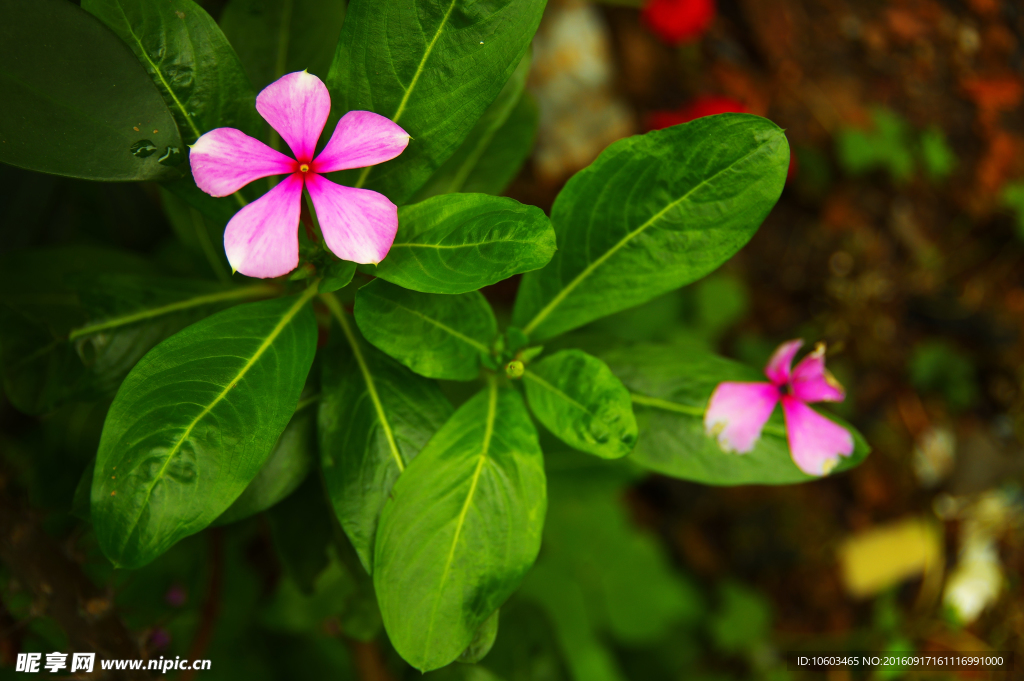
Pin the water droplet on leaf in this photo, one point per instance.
(143, 148)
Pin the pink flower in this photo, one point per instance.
(261, 240)
(737, 412)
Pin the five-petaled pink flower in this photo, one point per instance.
(738, 411)
(261, 240)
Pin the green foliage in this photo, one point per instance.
(440, 510)
(69, 334)
(190, 61)
(599, 576)
(889, 145)
(75, 103)
(938, 159)
(652, 213)
(477, 490)
(495, 148)
(275, 37)
(434, 335)
(576, 397)
(433, 68)
(671, 385)
(937, 366)
(375, 417)
(458, 243)
(221, 391)
(742, 619)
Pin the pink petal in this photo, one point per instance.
(812, 382)
(361, 139)
(815, 442)
(296, 105)
(224, 160)
(358, 224)
(737, 412)
(777, 369)
(262, 239)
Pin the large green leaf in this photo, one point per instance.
(275, 37)
(194, 422)
(652, 213)
(431, 66)
(375, 417)
(507, 151)
(75, 101)
(671, 386)
(434, 335)
(461, 528)
(457, 243)
(579, 399)
(189, 59)
(461, 172)
(285, 469)
(78, 335)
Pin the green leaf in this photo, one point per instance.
(194, 422)
(463, 168)
(75, 100)
(78, 336)
(461, 528)
(579, 399)
(654, 212)
(433, 68)
(302, 532)
(503, 158)
(482, 642)
(189, 59)
(275, 37)
(285, 469)
(337, 275)
(457, 243)
(375, 417)
(671, 386)
(436, 336)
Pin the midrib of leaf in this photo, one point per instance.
(444, 327)
(689, 410)
(371, 387)
(589, 269)
(157, 71)
(547, 386)
(412, 83)
(253, 291)
(492, 411)
(267, 342)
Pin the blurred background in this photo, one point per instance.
(899, 241)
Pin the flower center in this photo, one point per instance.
(304, 168)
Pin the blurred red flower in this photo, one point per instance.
(706, 105)
(679, 21)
